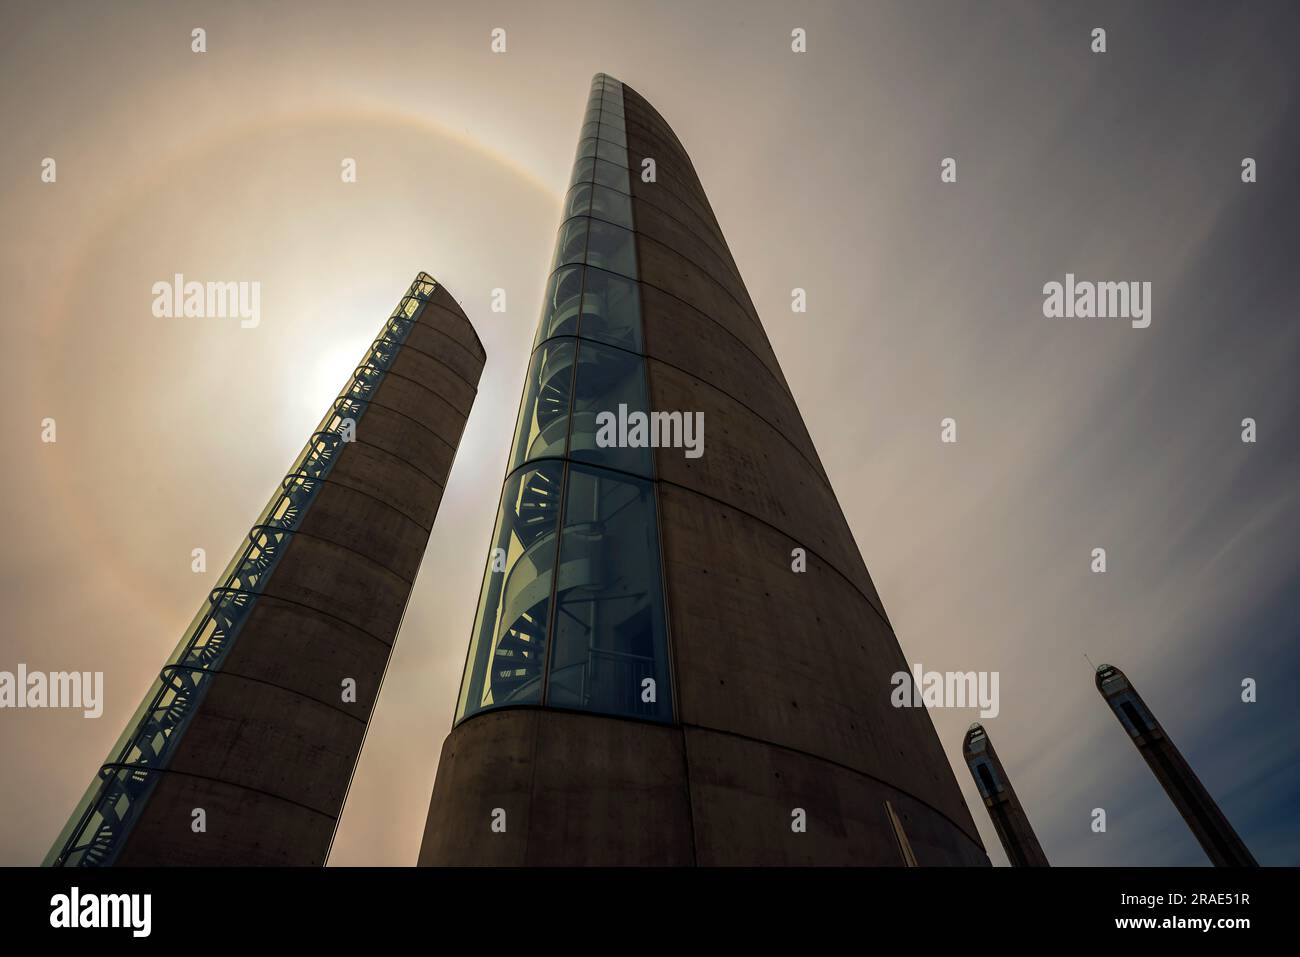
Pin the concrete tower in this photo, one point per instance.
(1209, 825)
(1009, 818)
(254, 725)
(679, 656)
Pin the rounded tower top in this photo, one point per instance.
(1110, 679)
(976, 739)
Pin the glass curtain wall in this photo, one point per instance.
(571, 611)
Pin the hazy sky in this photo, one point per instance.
(924, 301)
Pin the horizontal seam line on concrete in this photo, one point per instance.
(752, 317)
(818, 469)
(650, 121)
(711, 216)
(758, 415)
(700, 216)
(832, 761)
(473, 388)
(245, 787)
(319, 611)
(374, 498)
(411, 418)
(758, 324)
(683, 725)
(647, 115)
(438, 395)
(726, 265)
(647, 131)
(459, 314)
(438, 332)
(405, 461)
(784, 534)
(456, 311)
(330, 541)
(287, 690)
(743, 344)
(714, 229)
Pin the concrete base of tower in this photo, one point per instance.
(550, 788)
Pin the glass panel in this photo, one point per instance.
(586, 147)
(577, 202)
(610, 647)
(608, 378)
(582, 171)
(611, 152)
(571, 244)
(612, 103)
(611, 247)
(544, 411)
(610, 134)
(508, 647)
(610, 206)
(611, 310)
(610, 120)
(560, 307)
(590, 128)
(611, 175)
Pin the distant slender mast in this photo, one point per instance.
(1000, 800)
(1211, 828)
